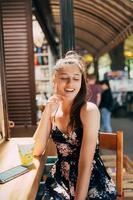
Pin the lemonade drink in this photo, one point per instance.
(26, 153)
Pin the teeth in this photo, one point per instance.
(69, 90)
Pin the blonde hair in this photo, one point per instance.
(71, 58)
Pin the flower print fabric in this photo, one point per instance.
(61, 181)
(64, 149)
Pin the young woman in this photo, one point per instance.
(73, 124)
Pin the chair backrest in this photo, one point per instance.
(114, 141)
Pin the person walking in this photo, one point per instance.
(106, 106)
(94, 89)
(73, 124)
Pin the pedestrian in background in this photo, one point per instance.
(94, 89)
(106, 106)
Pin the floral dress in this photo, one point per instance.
(61, 181)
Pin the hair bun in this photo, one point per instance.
(71, 54)
(75, 57)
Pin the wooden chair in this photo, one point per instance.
(114, 141)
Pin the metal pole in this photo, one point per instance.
(96, 69)
(128, 68)
(67, 26)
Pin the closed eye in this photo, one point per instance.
(76, 79)
(63, 78)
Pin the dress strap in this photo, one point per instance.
(98, 139)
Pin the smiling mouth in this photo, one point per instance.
(69, 90)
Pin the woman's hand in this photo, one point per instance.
(53, 103)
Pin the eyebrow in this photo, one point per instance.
(63, 73)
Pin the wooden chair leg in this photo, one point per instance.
(121, 197)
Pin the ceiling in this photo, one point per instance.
(100, 25)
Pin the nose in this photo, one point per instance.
(69, 80)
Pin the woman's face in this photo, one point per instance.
(68, 81)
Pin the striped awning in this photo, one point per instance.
(100, 25)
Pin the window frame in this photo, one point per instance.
(5, 133)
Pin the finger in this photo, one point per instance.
(56, 93)
(60, 97)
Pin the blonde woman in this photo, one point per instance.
(73, 124)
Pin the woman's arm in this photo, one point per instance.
(42, 133)
(90, 118)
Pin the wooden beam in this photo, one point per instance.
(117, 40)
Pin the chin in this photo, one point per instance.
(70, 97)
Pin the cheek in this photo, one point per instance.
(60, 85)
(78, 85)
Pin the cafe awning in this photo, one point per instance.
(100, 25)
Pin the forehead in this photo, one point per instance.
(72, 69)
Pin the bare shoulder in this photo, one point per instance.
(89, 111)
(89, 107)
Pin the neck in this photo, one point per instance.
(66, 108)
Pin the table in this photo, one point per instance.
(25, 186)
